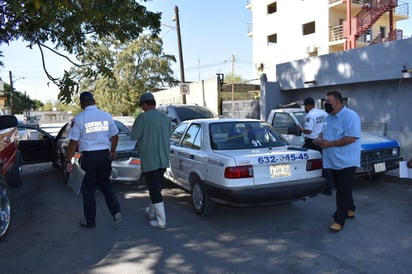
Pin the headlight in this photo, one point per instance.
(395, 152)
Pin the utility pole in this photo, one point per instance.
(11, 93)
(179, 43)
(233, 85)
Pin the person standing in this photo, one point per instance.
(314, 122)
(341, 146)
(152, 130)
(94, 133)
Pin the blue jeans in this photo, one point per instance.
(97, 165)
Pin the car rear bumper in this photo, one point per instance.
(266, 194)
(126, 170)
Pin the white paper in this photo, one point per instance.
(76, 178)
(404, 171)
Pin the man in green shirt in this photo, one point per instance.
(152, 130)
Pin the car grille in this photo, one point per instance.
(376, 155)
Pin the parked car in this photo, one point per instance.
(35, 144)
(10, 171)
(126, 166)
(179, 112)
(378, 153)
(240, 162)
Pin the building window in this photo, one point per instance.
(367, 36)
(273, 39)
(272, 8)
(383, 32)
(309, 28)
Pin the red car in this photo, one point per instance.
(10, 167)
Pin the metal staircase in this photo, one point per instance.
(367, 16)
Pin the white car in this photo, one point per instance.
(240, 162)
(378, 153)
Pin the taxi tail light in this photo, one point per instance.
(237, 172)
(314, 164)
(135, 162)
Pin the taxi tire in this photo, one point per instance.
(201, 201)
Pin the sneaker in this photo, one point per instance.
(335, 227)
(117, 218)
(351, 214)
(84, 224)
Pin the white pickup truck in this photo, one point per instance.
(378, 153)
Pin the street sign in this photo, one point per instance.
(184, 89)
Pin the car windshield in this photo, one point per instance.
(243, 135)
(193, 112)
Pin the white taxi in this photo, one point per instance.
(240, 162)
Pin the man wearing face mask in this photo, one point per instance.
(340, 142)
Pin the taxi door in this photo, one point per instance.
(189, 155)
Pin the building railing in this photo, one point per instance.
(336, 33)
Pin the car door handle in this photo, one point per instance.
(191, 156)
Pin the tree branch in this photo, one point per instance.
(51, 78)
(62, 55)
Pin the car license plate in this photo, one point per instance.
(277, 171)
(379, 167)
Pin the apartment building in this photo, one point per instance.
(287, 30)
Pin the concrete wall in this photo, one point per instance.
(370, 77)
(241, 109)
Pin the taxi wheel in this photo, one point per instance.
(5, 208)
(201, 201)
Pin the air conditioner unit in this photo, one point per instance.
(311, 49)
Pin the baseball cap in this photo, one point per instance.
(86, 97)
(148, 96)
(309, 101)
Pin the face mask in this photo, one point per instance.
(328, 107)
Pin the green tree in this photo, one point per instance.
(137, 66)
(235, 79)
(21, 101)
(68, 24)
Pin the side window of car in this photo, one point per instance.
(177, 134)
(65, 131)
(283, 121)
(192, 138)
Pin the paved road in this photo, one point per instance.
(292, 238)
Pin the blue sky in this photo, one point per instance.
(211, 31)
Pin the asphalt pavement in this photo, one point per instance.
(291, 238)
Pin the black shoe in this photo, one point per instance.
(84, 224)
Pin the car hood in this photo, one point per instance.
(372, 141)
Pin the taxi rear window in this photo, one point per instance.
(243, 135)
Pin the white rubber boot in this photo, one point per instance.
(150, 212)
(160, 213)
